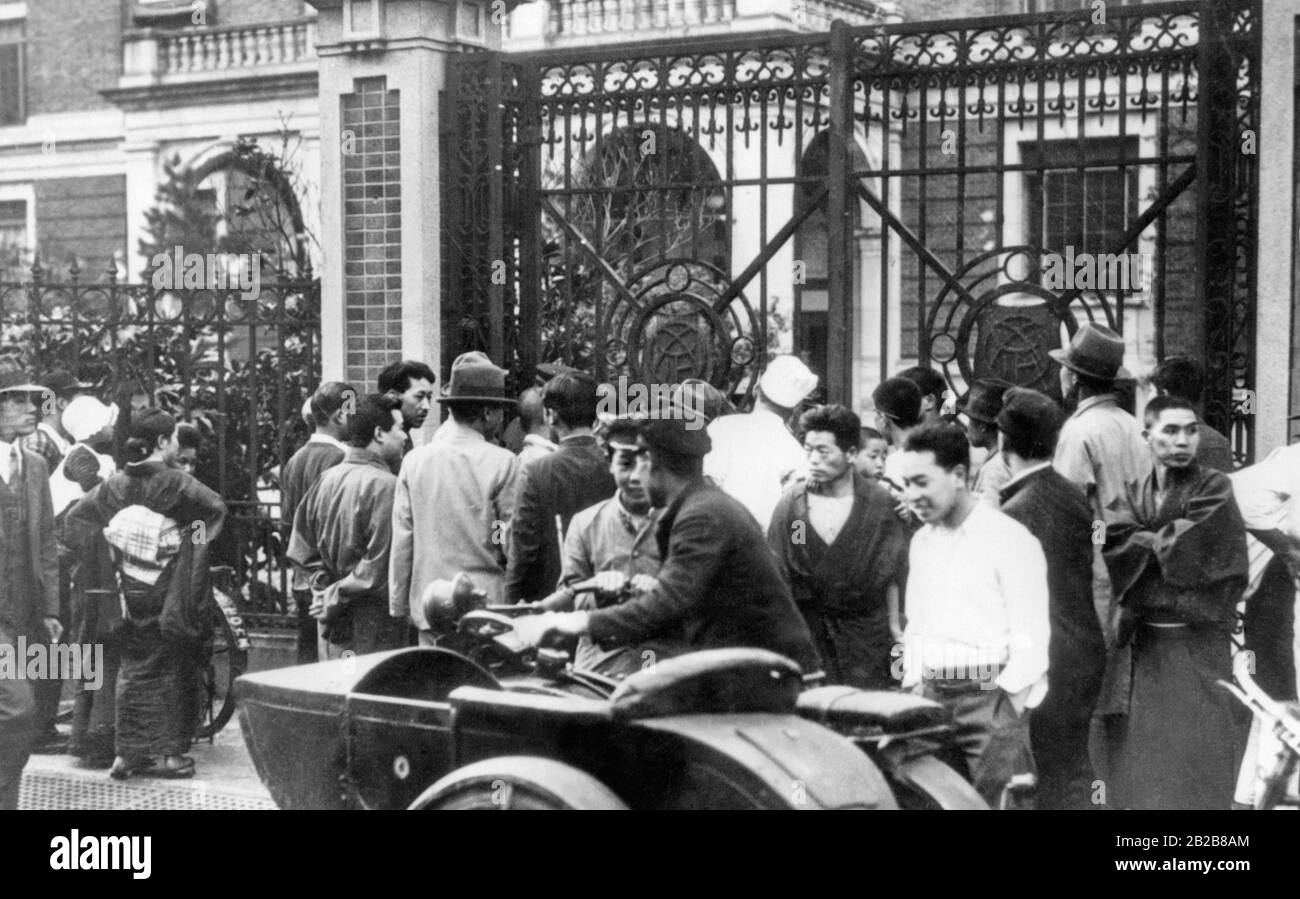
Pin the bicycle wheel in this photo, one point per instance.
(225, 661)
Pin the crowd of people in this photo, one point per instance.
(1064, 577)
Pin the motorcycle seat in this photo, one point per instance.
(714, 681)
(848, 708)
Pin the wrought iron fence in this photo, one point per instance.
(239, 367)
(868, 197)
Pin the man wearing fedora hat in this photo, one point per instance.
(454, 496)
(754, 455)
(1101, 448)
(718, 585)
(981, 405)
(1053, 510)
(29, 567)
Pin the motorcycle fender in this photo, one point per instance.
(765, 760)
(938, 783)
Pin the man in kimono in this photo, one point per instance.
(29, 570)
(1178, 561)
(343, 533)
(1055, 512)
(330, 406)
(844, 552)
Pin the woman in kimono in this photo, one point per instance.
(160, 522)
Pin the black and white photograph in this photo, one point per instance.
(668, 405)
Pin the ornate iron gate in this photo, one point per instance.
(957, 193)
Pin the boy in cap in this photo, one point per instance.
(719, 584)
(454, 496)
(1055, 512)
(755, 454)
(51, 439)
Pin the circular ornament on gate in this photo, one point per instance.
(402, 767)
(672, 324)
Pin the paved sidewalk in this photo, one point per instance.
(224, 780)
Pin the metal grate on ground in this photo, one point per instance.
(58, 792)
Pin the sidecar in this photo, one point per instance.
(428, 728)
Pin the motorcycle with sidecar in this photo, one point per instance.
(486, 722)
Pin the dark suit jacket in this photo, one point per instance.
(719, 586)
(563, 483)
(1055, 511)
(44, 556)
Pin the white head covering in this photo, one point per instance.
(86, 416)
(786, 381)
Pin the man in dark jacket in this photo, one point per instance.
(719, 585)
(331, 405)
(29, 570)
(844, 552)
(553, 488)
(1057, 514)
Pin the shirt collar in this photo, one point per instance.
(359, 455)
(5, 450)
(539, 441)
(579, 440)
(457, 431)
(326, 439)
(1105, 399)
(1033, 469)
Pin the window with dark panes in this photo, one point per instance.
(13, 236)
(12, 77)
(1083, 197)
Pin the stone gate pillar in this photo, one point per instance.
(383, 64)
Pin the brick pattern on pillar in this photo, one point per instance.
(372, 231)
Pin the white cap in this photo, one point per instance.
(86, 416)
(787, 381)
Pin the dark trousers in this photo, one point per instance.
(991, 738)
(17, 725)
(308, 651)
(1270, 623)
(1065, 775)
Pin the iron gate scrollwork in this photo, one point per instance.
(869, 197)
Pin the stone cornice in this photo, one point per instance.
(246, 86)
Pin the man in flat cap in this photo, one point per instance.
(718, 586)
(29, 568)
(981, 405)
(754, 455)
(1055, 512)
(454, 496)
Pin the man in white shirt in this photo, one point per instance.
(1267, 494)
(755, 454)
(977, 605)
